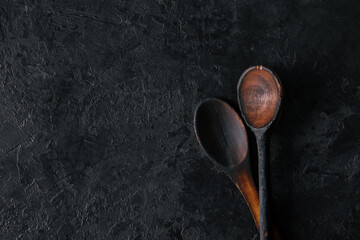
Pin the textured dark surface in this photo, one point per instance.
(97, 101)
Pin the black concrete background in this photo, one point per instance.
(96, 107)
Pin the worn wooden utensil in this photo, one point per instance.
(222, 135)
(259, 95)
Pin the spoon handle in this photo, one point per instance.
(244, 181)
(264, 186)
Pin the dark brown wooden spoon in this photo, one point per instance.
(259, 95)
(222, 135)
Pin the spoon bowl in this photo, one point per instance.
(220, 131)
(260, 94)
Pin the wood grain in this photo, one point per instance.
(260, 96)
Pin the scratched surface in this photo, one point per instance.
(96, 108)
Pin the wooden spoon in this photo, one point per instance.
(222, 135)
(259, 96)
